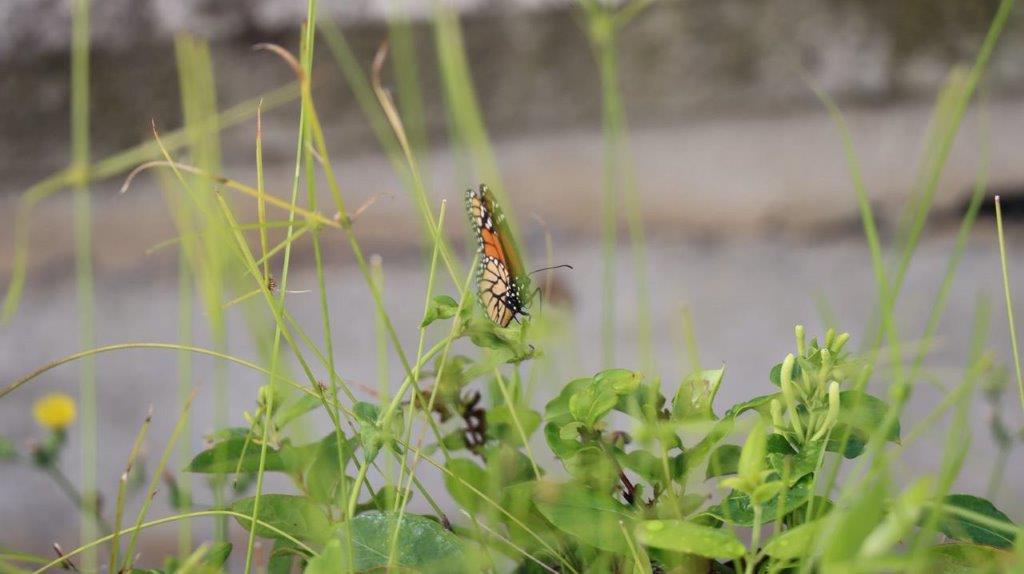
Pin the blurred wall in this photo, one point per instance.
(681, 61)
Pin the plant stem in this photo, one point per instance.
(356, 487)
(755, 540)
(83, 264)
(602, 34)
(68, 488)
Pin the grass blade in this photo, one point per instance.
(1009, 302)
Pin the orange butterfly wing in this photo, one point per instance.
(498, 290)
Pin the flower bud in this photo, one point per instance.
(800, 340)
(270, 397)
(786, 372)
(826, 362)
(776, 409)
(789, 393)
(839, 343)
(833, 411)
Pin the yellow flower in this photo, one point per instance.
(55, 411)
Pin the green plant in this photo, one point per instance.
(633, 476)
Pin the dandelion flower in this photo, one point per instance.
(55, 411)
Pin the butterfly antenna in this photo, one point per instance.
(550, 268)
(539, 291)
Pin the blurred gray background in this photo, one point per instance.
(748, 205)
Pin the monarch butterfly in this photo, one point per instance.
(502, 285)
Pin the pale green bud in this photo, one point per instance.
(789, 393)
(786, 373)
(826, 362)
(840, 342)
(776, 409)
(833, 411)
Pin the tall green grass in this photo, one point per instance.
(603, 26)
(84, 267)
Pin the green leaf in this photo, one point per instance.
(509, 464)
(564, 448)
(557, 409)
(800, 464)
(855, 443)
(366, 413)
(217, 555)
(738, 509)
(968, 530)
(721, 429)
(591, 517)
(775, 375)
(759, 404)
(766, 492)
(371, 435)
(960, 558)
(861, 413)
(689, 538)
(502, 426)
(440, 307)
(723, 460)
(329, 561)
(645, 402)
(224, 457)
(505, 466)
(651, 467)
(593, 468)
(455, 440)
(570, 431)
(794, 543)
(421, 543)
(470, 474)
(323, 476)
(484, 333)
(384, 499)
(295, 515)
(666, 431)
(696, 394)
(865, 412)
(282, 556)
(821, 506)
(296, 409)
(621, 381)
(591, 403)
(225, 433)
(777, 444)
(452, 375)
(517, 500)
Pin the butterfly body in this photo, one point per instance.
(503, 287)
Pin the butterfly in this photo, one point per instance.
(502, 285)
